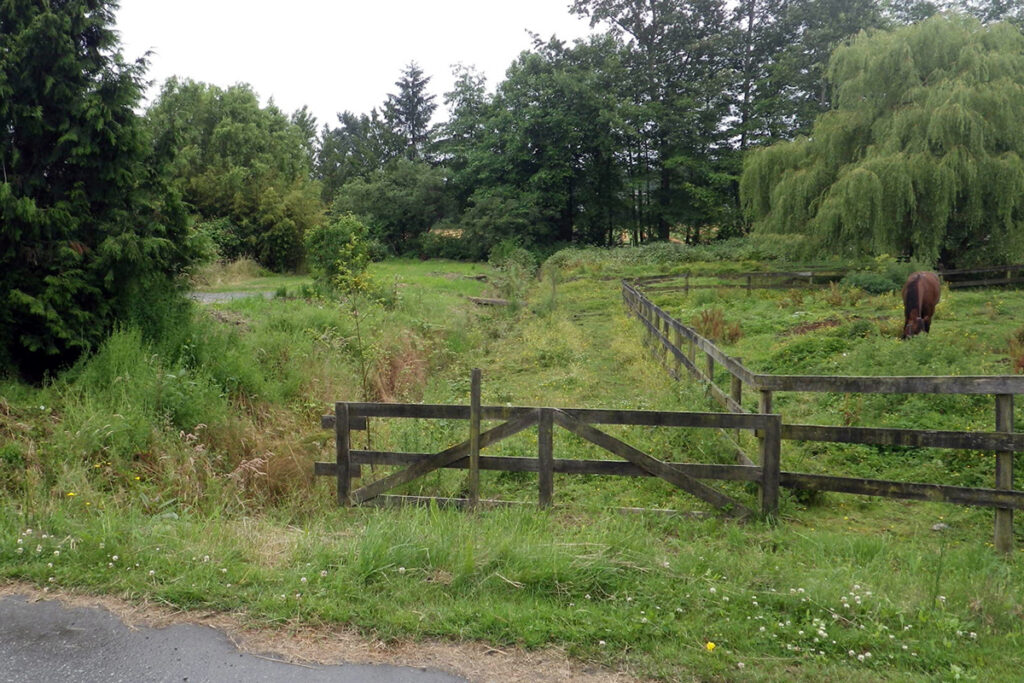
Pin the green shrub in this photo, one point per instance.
(875, 283)
(337, 254)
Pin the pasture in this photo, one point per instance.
(182, 474)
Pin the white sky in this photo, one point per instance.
(335, 56)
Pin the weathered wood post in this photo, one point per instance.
(750, 284)
(545, 456)
(1004, 475)
(710, 368)
(342, 447)
(736, 392)
(677, 341)
(771, 442)
(474, 438)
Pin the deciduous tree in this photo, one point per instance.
(922, 154)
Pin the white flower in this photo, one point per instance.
(401, 570)
(860, 658)
(601, 643)
(323, 572)
(21, 550)
(151, 572)
(740, 665)
(56, 553)
(51, 579)
(206, 558)
(712, 590)
(114, 558)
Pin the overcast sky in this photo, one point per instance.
(335, 56)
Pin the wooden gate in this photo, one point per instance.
(632, 461)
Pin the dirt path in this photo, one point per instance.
(302, 644)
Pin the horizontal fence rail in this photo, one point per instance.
(676, 345)
(581, 422)
(820, 277)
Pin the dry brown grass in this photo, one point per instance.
(711, 323)
(1015, 349)
(399, 371)
(220, 274)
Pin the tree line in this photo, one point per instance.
(692, 119)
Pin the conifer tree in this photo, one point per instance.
(85, 228)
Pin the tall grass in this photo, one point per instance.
(182, 473)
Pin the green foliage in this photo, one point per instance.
(919, 157)
(409, 111)
(515, 269)
(398, 204)
(337, 254)
(875, 283)
(87, 222)
(244, 168)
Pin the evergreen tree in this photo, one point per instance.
(86, 228)
(409, 111)
(922, 154)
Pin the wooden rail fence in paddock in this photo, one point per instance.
(993, 276)
(667, 338)
(466, 454)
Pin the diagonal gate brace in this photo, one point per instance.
(652, 465)
(445, 457)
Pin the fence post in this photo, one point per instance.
(677, 341)
(342, 447)
(474, 438)
(749, 284)
(545, 457)
(711, 368)
(736, 391)
(1004, 475)
(771, 442)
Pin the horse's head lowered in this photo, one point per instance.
(920, 294)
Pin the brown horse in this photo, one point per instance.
(920, 294)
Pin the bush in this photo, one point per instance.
(875, 283)
(449, 243)
(337, 254)
(515, 268)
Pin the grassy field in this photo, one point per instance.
(180, 473)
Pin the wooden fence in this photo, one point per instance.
(993, 276)
(667, 338)
(466, 454)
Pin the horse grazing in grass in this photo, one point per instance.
(920, 294)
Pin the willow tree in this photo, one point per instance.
(921, 154)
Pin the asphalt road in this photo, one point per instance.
(45, 641)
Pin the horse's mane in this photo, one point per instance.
(912, 301)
